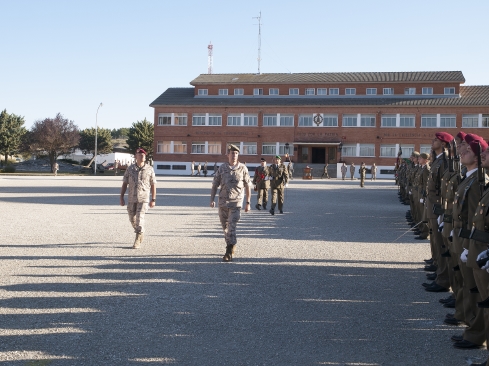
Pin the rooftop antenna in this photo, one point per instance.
(259, 40)
(209, 58)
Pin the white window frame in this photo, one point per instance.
(161, 146)
(176, 147)
(407, 150)
(485, 121)
(388, 91)
(216, 120)
(425, 118)
(180, 119)
(267, 118)
(322, 91)
(370, 150)
(402, 120)
(307, 117)
(239, 91)
(293, 91)
(164, 117)
(199, 116)
(470, 118)
(363, 120)
(427, 90)
(310, 91)
(269, 148)
(274, 91)
(389, 118)
(258, 91)
(246, 119)
(349, 150)
(350, 91)
(451, 117)
(282, 149)
(198, 145)
(409, 91)
(249, 148)
(203, 92)
(235, 119)
(334, 91)
(424, 148)
(449, 90)
(223, 91)
(371, 91)
(285, 120)
(330, 120)
(388, 151)
(213, 147)
(348, 117)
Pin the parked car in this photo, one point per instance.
(109, 166)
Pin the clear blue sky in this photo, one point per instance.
(68, 56)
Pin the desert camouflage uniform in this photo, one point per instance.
(232, 183)
(139, 181)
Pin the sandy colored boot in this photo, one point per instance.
(138, 240)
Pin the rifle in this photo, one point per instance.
(451, 168)
(481, 175)
(456, 160)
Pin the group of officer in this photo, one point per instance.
(449, 204)
(274, 177)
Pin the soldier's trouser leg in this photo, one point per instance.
(362, 182)
(343, 176)
(273, 192)
(280, 198)
(442, 271)
(136, 213)
(482, 280)
(229, 218)
(352, 174)
(259, 197)
(474, 332)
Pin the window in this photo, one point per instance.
(269, 148)
(273, 91)
(367, 149)
(322, 91)
(334, 91)
(367, 120)
(198, 147)
(179, 147)
(469, 120)
(180, 119)
(163, 147)
(249, 148)
(448, 120)
(287, 120)
(310, 91)
(371, 91)
(250, 120)
(406, 120)
(485, 120)
(305, 120)
(214, 147)
(350, 91)
(388, 91)
(407, 150)
(164, 119)
(282, 149)
(427, 91)
(223, 92)
(330, 121)
(388, 151)
(215, 120)
(238, 91)
(410, 91)
(388, 120)
(202, 91)
(294, 91)
(423, 148)
(269, 120)
(234, 120)
(257, 91)
(428, 120)
(350, 120)
(449, 90)
(349, 150)
(198, 119)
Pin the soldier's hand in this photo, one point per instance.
(213, 204)
(247, 207)
(152, 204)
(122, 201)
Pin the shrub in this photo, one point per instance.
(70, 161)
(9, 169)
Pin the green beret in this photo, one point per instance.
(424, 156)
(278, 157)
(232, 147)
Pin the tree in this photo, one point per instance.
(53, 136)
(87, 141)
(120, 133)
(12, 131)
(141, 134)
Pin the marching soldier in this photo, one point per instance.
(419, 193)
(363, 172)
(343, 171)
(262, 184)
(233, 179)
(373, 172)
(352, 170)
(278, 179)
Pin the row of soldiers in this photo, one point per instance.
(449, 204)
(275, 178)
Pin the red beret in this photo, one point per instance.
(140, 150)
(444, 137)
(474, 145)
(471, 137)
(461, 135)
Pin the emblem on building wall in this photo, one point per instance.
(318, 119)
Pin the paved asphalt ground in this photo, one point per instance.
(323, 284)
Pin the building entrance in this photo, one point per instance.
(318, 155)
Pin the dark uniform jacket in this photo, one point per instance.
(278, 175)
(259, 180)
(433, 186)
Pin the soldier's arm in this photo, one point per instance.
(216, 182)
(123, 192)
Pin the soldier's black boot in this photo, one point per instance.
(258, 206)
(265, 206)
(272, 211)
(228, 256)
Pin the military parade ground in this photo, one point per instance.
(329, 282)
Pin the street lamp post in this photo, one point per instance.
(96, 130)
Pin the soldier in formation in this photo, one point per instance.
(343, 171)
(261, 181)
(454, 195)
(373, 172)
(363, 173)
(352, 170)
(279, 178)
(234, 182)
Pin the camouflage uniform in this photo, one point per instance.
(262, 183)
(139, 181)
(232, 183)
(363, 172)
(279, 178)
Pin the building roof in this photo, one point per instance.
(331, 77)
(469, 96)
